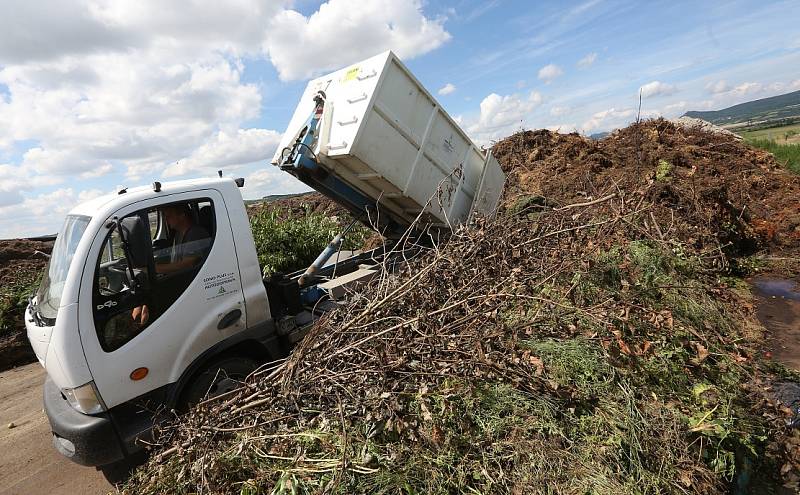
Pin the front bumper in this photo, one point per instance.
(84, 439)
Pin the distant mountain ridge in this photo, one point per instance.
(774, 108)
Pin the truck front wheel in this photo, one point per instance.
(219, 377)
(119, 472)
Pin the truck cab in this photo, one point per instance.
(133, 304)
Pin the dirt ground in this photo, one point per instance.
(28, 462)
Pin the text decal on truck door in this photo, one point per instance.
(220, 285)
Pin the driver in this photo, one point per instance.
(186, 248)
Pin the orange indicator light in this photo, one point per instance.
(139, 373)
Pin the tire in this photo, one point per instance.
(219, 377)
(118, 472)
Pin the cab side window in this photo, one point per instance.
(149, 258)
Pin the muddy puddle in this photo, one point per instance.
(778, 310)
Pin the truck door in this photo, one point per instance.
(164, 287)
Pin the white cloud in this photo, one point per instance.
(704, 105)
(159, 99)
(587, 61)
(97, 171)
(44, 30)
(776, 87)
(677, 107)
(549, 72)
(717, 87)
(747, 88)
(447, 89)
(480, 10)
(228, 150)
(583, 7)
(12, 183)
(270, 180)
(502, 115)
(63, 162)
(562, 128)
(41, 214)
(144, 109)
(15, 180)
(722, 88)
(558, 111)
(657, 88)
(608, 119)
(342, 32)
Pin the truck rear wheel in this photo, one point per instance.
(217, 378)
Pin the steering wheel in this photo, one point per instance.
(117, 277)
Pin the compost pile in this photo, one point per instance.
(589, 339)
(706, 188)
(299, 206)
(21, 264)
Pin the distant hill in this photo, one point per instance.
(773, 109)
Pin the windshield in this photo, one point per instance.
(48, 298)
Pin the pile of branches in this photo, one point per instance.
(554, 349)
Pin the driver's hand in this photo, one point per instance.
(140, 314)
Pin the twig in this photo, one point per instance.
(588, 203)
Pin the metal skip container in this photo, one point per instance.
(385, 135)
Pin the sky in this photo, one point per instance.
(100, 94)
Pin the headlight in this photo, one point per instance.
(84, 399)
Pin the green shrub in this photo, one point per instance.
(663, 170)
(288, 244)
(14, 298)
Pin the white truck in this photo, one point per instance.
(153, 297)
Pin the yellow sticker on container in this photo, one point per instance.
(351, 74)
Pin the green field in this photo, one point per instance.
(786, 154)
(783, 142)
(789, 134)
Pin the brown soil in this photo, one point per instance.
(18, 263)
(30, 464)
(712, 189)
